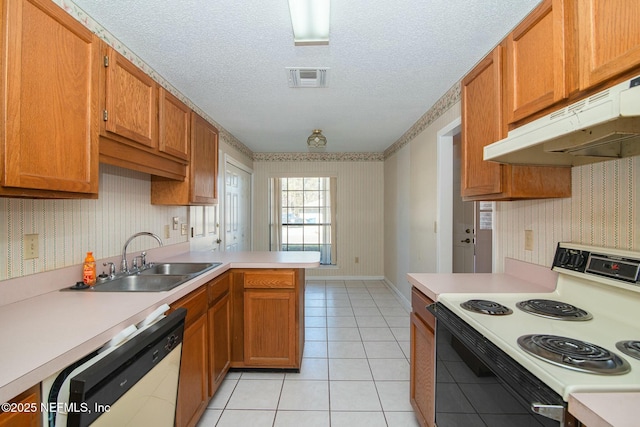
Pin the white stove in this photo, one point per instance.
(601, 283)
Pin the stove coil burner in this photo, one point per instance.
(630, 348)
(574, 354)
(486, 307)
(553, 309)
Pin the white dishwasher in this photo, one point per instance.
(129, 383)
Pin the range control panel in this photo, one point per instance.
(601, 264)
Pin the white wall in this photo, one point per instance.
(360, 225)
(411, 204)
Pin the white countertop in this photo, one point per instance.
(592, 409)
(538, 279)
(605, 409)
(44, 333)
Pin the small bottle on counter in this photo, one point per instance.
(89, 270)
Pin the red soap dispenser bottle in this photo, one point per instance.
(89, 270)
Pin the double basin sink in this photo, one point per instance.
(157, 278)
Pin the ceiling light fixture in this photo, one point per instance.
(317, 141)
(310, 21)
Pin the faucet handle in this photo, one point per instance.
(112, 269)
(143, 259)
(137, 266)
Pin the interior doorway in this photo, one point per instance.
(471, 220)
(463, 220)
(472, 225)
(237, 206)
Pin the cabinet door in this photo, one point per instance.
(270, 328)
(204, 162)
(200, 185)
(536, 51)
(29, 399)
(130, 101)
(51, 66)
(174, 126)
(423, 362)
(219, 342)
(482, 125)
(193, 386)
(609, 37)
(422, 392)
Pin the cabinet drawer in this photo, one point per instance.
(218, 287)
(419, 302)
(196, 304)
(269, 280)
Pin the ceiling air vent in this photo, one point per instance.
(308, 77)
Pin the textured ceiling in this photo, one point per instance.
(389, 61)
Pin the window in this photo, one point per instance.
(303, 216)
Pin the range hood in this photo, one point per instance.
(602, 127)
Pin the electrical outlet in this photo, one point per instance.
(175, 222)
(183, 229)
(528, 240)
(167, 232)
(31, 245)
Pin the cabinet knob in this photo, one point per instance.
(467, 240)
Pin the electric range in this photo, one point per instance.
(598, 299)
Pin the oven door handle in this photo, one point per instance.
(554, 412)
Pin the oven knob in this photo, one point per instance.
(576, 260)
(563, 258)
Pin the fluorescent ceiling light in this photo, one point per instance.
(310, 21)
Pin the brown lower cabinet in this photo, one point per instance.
(24, 418)
(422, 384)
(268, 318)
(257, 314)
(219, 316)
(193, 388)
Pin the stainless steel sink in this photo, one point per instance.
(158, 278)
(142, 283)
(172, 268)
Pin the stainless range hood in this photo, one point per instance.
(602, 127)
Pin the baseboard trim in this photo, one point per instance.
(402, 298)
(329, 278)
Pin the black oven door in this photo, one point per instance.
(478, 385)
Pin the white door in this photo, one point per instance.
(463, 223)
(237, 206)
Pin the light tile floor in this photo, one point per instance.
(355, 368)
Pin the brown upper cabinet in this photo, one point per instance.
(131, 123)
(49, 108)
(537, 53)
(483, 124)
(175, 126)
(609, 38)
(130, 101)
(200, 185)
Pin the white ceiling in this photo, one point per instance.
(389, 61)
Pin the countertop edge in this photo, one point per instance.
(604, 409)
(27, 377)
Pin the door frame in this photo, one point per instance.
(229, 160)
(444, 216)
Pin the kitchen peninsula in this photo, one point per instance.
(48, 329)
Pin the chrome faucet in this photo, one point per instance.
(124, 267)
